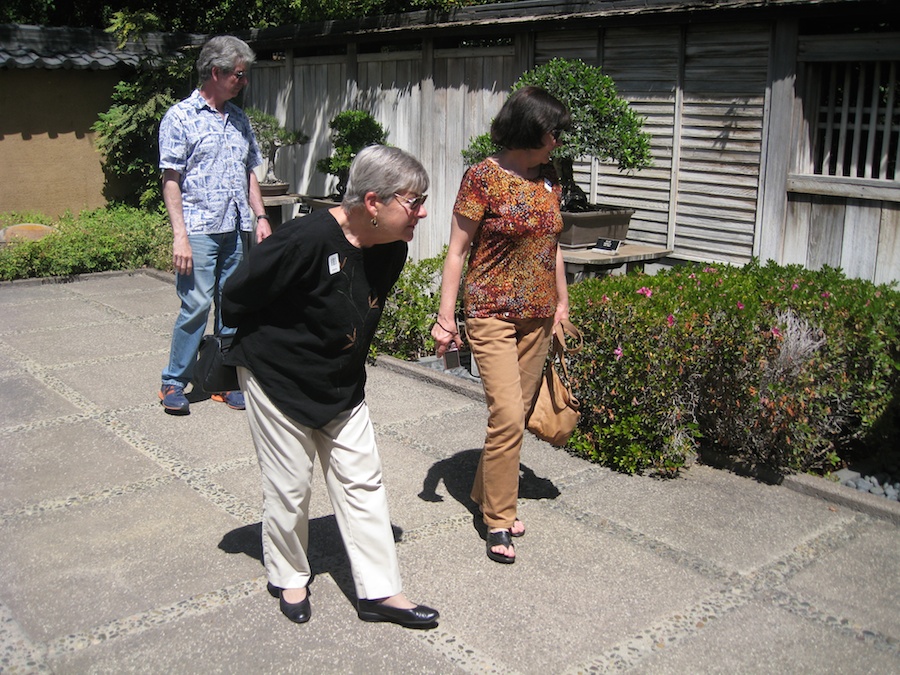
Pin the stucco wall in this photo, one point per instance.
(48, 162)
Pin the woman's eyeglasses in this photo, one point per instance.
(412, 202)
(239, 74)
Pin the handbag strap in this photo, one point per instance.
(561, 349)
(567, 328)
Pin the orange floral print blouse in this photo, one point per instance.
(511, 270)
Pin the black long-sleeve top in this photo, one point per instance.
(306, 304)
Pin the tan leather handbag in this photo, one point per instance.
(555, 412)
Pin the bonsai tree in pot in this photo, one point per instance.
(271, 136)
(351, 131)
(603, 126)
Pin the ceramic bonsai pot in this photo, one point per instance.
(582, 230)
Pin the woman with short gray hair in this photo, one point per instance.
(306, 303)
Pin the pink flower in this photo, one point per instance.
(740, 305)
(775, 332)
(826, 294)
(605, 298)
(794, 287)
(643, 290)
(618, 353)
(670, 320)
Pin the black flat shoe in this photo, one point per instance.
(501, 538)
(298, 612)
(419, 616)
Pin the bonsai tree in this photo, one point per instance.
(351, 131)
(603, 124)
(271, 136)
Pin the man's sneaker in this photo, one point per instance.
(173, 400)
(233, 399)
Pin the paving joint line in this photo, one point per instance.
(740, 591)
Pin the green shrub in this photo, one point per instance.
(113, 238)
(351, 131)
(772, 366)
(127, 134)
(405, 328)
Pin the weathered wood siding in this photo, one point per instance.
(430, 102)
(724, 105)
(846, 130)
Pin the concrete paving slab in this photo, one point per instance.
(212, 433)
(755, 523)
(27, 291)
(860, 581)
(73, 568)
(600, 591)
(251, 636)
(59, 461)
(123, 382)
(762, 639)
(27, 400)
(8, 364)
(393, 398)
(142, 304)
(542, 459)
(55, 313)
(75, 344)
(113, 284)
(447, 434)
(412, 505)
(145, 555)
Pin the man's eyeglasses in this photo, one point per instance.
(239, 74)
(412, 202)
(556, 133)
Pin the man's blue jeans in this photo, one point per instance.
(215, 257)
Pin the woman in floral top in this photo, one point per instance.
(507, 221)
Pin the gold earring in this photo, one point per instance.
(375, 221)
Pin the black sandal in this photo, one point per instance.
(500, 538)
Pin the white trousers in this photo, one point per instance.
(352, 466)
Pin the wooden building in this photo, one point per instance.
(775, 123)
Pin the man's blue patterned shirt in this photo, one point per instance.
(214, 156)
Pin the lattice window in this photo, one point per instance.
(857, 129)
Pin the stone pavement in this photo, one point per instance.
(130, 538)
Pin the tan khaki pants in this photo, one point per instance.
(510, 355)
(352, 467)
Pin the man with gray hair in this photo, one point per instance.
(207, 153)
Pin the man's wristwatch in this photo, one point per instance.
(261, 216)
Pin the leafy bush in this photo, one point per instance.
(114, 238)
(603, 124)
(127, 133)
(405, 328)
(776, 367)
(351, 131)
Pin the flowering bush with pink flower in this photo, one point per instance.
(775, 367)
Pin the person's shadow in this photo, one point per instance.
(457, 473)
(326, 550)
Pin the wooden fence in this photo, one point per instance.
(726, 104)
